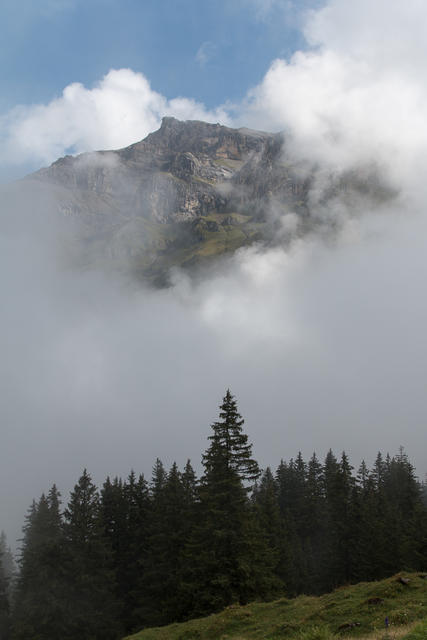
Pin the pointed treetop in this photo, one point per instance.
(229, 443)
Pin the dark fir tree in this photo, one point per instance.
(316, 521)
(41, 606)
(406, 515)
(7, 563)
(299, 520)
(135, 551)
(229, 555)
(113, 510)
(291, 490)
(94, 608)
(265, 499)
(267, 510)
(165, 593)
(346, 519)
(4, 591)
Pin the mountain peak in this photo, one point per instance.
(200, 137)
(188, 192)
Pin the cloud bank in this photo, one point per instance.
(357, 93)
(323, 343)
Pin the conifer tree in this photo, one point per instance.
(272, 527)
(267, 510)
(405, 511)
(345, 518)
(4, 596)
(229, 552)
(148, 609)
(189, 485)
(366, 552)
(95, 611)
(165, 597)
(135, 550)
(231, 444)
(315, 509)
(41, 608)
(291, 486)
(330, 568)
(7, 563)
(113, 511)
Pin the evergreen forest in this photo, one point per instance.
(144, 552)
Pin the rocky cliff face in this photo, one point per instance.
(183, 196)
(181, 172)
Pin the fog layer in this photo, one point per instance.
(323, 342)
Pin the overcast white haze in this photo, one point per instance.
(323, 344)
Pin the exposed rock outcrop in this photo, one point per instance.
(180, 172)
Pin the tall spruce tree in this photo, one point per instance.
(229, 553)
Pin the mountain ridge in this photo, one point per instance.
(185, 196)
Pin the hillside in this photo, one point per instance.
(357, 611)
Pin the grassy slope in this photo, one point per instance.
(163, 246)
(314, 618)
(419, 632)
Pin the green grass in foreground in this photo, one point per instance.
(419, 632)
(316, 618)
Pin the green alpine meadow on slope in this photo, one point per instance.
(358, 611)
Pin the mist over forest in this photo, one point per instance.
(322, 339)
(315, 320)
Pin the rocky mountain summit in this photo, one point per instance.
(183, 171)
(185, 195)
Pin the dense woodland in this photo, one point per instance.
(143, 552)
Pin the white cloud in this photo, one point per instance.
(121, 109)
(358, 94)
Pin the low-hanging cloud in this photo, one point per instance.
(321, 341)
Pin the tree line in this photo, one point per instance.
(140, 553)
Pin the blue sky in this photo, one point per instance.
(211, 50)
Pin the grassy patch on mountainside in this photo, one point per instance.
(190, 245)
(357, 611)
